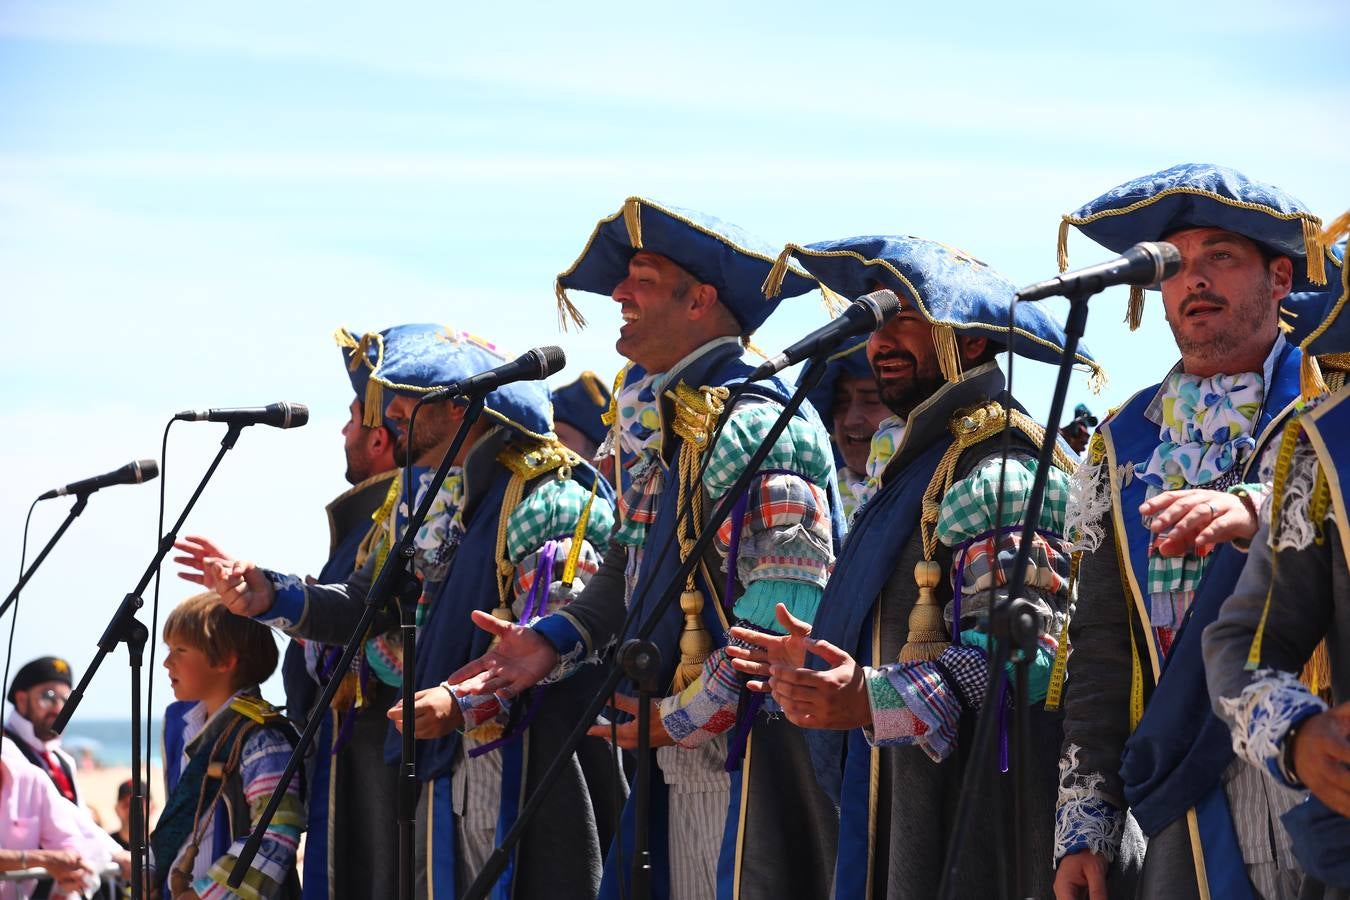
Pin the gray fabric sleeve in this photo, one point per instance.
(598, 612)
(332, 611)
(1097, 688)
(1300, 616)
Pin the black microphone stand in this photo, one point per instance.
(126, 628)
(638, 654)
(394, 579)
(81, 499)
(1013, 625)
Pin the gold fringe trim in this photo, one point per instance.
(344, 339)
(567, 310)
(833, 303)
(948, 354)
(1063, 249)
(1283, 459)
(1317, 672)
(1310, 378)
(1059, 668)
(1134, 313)
(1098, 379)
(372, 408)
(632, 220)
(773, 283)
(753, 347)
(1312, 245)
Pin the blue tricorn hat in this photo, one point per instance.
(713, 251)
(1317, 320)
(948, 286)
(1201, 195)
(851, 362)
(360, 357)
(416, 359)
(581, 404)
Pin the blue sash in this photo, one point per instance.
(721, 366)
(879, 535)
(1175, 759)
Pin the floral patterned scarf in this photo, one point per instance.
(1206, 435)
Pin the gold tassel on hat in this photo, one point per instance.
(372, 412)
(1098, 379)
(595, 388)
(632, 220)
(834, 303)
(566, 308)
(927, 632)
(1134, 313)
(948, 355)
(1339, 228)
(1063, 249)
(1312, 245)
(773, 284)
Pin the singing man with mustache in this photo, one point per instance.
(893, 671)
(1171, 479)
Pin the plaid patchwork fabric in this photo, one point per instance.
(479, 709)
(786, 534)
(264, 757)
(801, 447)
(707, 707)
(988, 563)
(588, 563)
(915, 703)
(647, 479)
(550, 512)
(969, 506)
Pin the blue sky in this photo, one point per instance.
(193, 196)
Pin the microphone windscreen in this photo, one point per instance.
(882, 305)
(297, 414)
(552, 360)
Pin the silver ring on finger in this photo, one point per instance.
(1212, 513)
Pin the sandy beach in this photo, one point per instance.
(99, 784)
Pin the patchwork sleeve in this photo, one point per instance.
(921, 703)
(783, 550)
(260, 767)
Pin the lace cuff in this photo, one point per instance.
(1085, 819)
(1262, 715)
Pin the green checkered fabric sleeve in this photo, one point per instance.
(552, 511)
(970, 505)
(802, 447)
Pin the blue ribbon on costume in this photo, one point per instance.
(536, 604)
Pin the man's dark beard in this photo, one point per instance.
(1251, 314)
(433, 425)
(901, 396)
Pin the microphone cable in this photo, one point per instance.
(154, 626)
(14, 620)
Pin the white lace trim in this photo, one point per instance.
(1263, 714)
(1089, 502)
(1083, 813)
(1296, 530)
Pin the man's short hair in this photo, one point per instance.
(203, 622)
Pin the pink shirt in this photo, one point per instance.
(33, 816)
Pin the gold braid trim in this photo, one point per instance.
(696, 415)
(1136, 661)
(1283, 459)
(1317, 672)
(928, 635)
(1060, 667)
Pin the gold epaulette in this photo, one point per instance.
(255, 708)
(978, 423)
(697, 411)
(530, 459)
(1096, 450)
